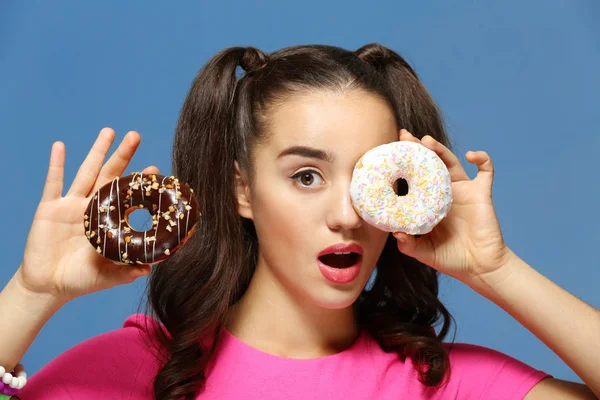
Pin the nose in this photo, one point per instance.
(341, 214)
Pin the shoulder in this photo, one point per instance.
(478, 369)
(121, 363)
(465, 357)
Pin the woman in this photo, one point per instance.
(245, 310)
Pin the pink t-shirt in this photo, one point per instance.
(118, 365)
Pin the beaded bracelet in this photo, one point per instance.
(11, 382)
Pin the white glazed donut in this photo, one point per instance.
(429, 188)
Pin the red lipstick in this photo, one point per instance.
(341, 262)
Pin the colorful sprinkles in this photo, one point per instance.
(429, 188)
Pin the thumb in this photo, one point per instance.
(130, 274)
(124, 274)
(417, 247)
(140, 270)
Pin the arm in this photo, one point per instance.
(120, 364)
(567, 325)
(23, 315)
(468, 245)
(58, 263)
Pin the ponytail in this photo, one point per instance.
(417, 112)
(204, 151)
(407, 330)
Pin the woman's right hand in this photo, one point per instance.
(58, 258)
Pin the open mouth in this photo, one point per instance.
(340, 260)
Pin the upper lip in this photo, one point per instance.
(342, 248)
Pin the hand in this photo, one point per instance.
(58, 258)
(468, 243)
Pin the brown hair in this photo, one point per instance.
(223, 117)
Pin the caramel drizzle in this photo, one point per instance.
(98, 213)
(90, 214)
(187, 222)
(119, 231)
(178, 212)
(131, 188)
(136, 180)
(112, 185)
(158, 211)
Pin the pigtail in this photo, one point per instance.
(205, 140)
(417, 112)
(403, 305)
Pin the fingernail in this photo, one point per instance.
(399, 237)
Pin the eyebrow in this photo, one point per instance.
(308, 152)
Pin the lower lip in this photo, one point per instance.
(340, 275)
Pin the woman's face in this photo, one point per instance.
(299, 199)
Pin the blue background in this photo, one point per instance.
(518, 79)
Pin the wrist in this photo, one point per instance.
(492, 282)
(24, 313)
(38, 303)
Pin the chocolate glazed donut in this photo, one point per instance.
(172, 205)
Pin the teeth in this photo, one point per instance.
(346, 252)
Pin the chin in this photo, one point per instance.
(337, 300)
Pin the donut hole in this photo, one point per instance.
(401, 187)
(139, 219)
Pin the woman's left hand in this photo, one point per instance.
(468, 243)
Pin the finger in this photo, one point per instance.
(131, 273)
(117, 163)
(114, 275)
(406, 135)
(146, 171)
(455, 168)
(150, 170)
(88, 172)
(56, 173)
(419, 248)
(137, 271)
(485, 168)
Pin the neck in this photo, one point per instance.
(271, 319)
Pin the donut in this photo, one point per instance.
(172, 205)
(429, 194)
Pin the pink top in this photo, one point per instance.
(118, 365)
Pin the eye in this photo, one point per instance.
(308, 178)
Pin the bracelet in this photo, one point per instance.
(10, 383)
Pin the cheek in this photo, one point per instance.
(381, 239)
(376, 240)
(282, 218)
